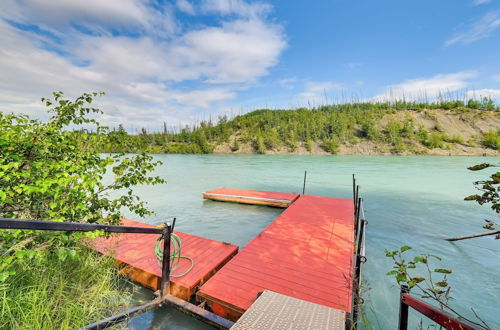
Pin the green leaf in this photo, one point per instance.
(405, 248)
(443, 271)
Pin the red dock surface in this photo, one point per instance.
(136, 251)
(268, 198)
(306, 253)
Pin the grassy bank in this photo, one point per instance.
(451, 127)
(61, 294)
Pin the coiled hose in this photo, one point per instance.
(175, 256)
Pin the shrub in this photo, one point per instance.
(434, 140)
(331, 146)
(259, 146)
(309, 145)
(491, 139)
(369, 131)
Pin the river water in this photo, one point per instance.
(415, 201)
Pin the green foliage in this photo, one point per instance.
(331, 146)
(424, 280)
(345, 123)
(406, 271)
(259, 145)
(369, 130)
(53, 293)
(454, 139)
(235, 146)
(434, 140)
(309, 145)
(491, 139)
(48, 172)
(490, 193)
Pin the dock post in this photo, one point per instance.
(354, 189)
(403, 309)
(165, 265)
(304, 185)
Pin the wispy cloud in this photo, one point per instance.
(354, 65)
(186, 7)
(114, 46)
(478, 30)
(318, 93)
(480, 2)
(427, 88)
(236, 7)
(493, 94)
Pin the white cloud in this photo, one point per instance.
(139, 73)
(427, 88)
(496, 77)
(480, 2)
(354, 65)
(236, 7)
(202, 98)
(478, 30)
(186, 7)
(93, 15)
(493, 94)
(287, 83)
(317, 93)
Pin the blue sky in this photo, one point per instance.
(182, 61)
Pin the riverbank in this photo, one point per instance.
(350, 129)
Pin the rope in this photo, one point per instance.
(175, 256)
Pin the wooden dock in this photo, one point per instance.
(254, 197)
(306, 253)
(136, 253)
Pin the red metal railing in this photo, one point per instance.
(437, 315)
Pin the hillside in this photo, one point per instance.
(350, 129)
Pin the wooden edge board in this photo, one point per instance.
(249, 200)
(220, 307)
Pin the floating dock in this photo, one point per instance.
(136, 253)
(254, 197)
(306, 253)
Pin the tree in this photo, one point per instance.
(51, 171)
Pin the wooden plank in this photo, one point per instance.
(306, 253)
(135, 254)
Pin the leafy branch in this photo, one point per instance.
(434, 286)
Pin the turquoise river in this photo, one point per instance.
(415, 201)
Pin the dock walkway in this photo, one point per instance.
(306, 253)
(136, 253)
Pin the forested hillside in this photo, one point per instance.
(451, 127)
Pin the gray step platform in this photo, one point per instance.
(274, 311)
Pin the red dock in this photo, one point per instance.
(268, 198)
(306, 253)
(136, 252)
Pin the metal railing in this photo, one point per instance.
(164, 294)
(359, 257)
(437, 315)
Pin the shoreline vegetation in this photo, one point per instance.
(401, 128)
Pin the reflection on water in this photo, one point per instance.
(409, 200)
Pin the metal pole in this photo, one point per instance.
(165, 265)
(354, 189)
(6, 223)
(403, 309)
(304, 186)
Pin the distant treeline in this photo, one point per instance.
(326, 126)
